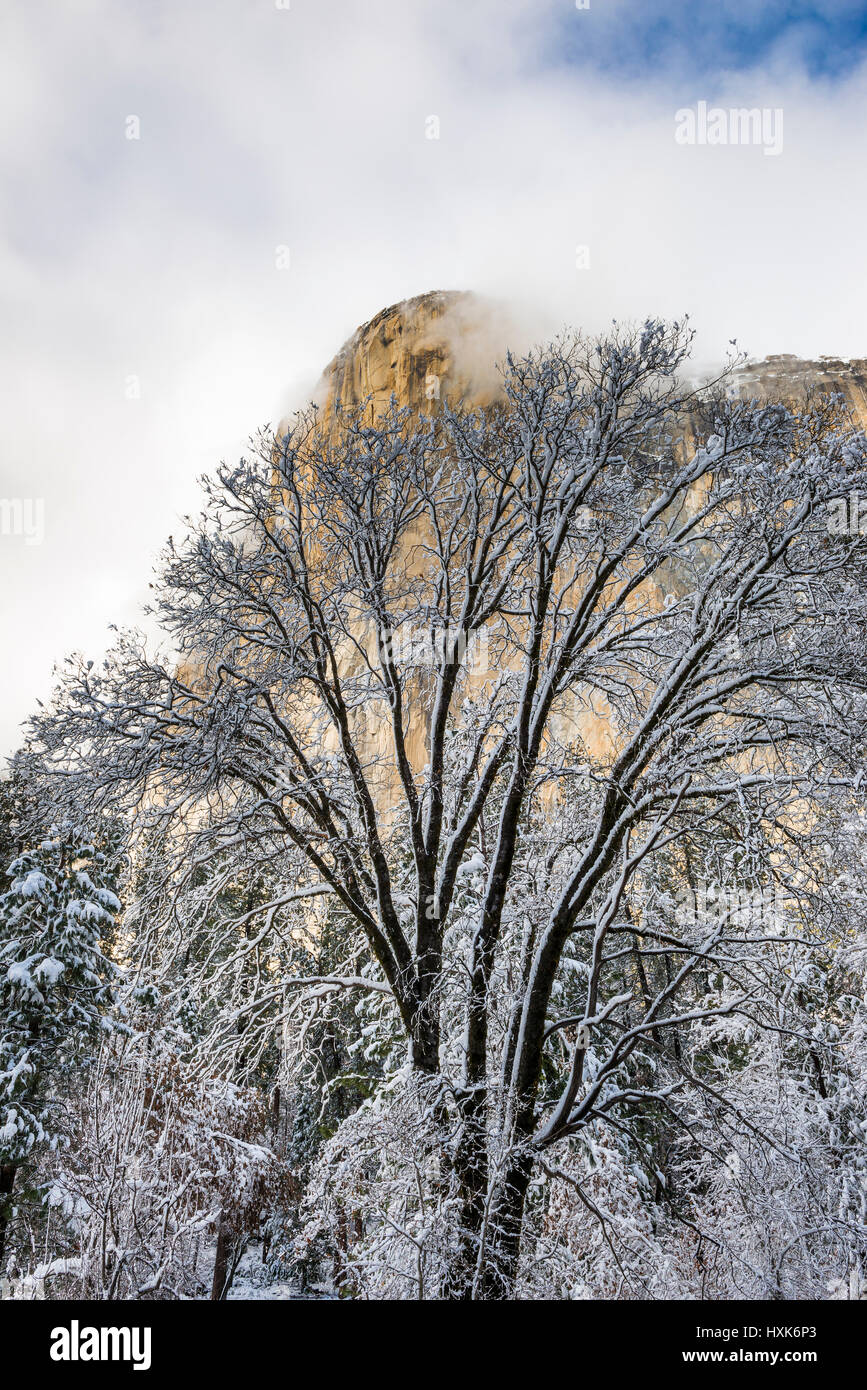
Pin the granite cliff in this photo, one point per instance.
(444, 346)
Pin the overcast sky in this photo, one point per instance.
(149, 319)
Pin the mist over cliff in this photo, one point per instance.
(447, 344)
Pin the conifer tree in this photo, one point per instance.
(56, 989)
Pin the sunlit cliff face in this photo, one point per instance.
(438, 346)
(444, 347)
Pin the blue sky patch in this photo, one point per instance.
(826, 38)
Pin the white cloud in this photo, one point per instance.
(305, 127)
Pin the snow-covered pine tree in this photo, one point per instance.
(56, 988)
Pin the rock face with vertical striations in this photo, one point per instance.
(785, 377)
(444, 345)
(438, 346)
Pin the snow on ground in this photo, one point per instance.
(251, 1281)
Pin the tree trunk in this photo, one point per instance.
(485, 1267)
(498, 1270)
(470, 1167)
(224, 1259)
(7, 1181)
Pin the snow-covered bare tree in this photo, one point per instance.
(496, 683)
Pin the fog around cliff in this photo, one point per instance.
(165, 294)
